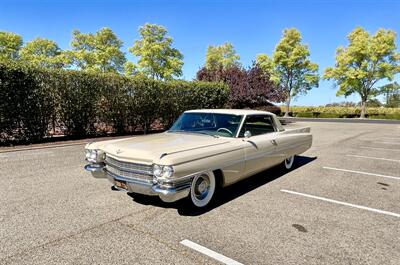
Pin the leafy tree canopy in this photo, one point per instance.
(366, 60)
(43, 53)
(10, 43)
(157, 58)
(389, 90)
(99, 52)
(249, 88)
(223, 56)
(290, 66)
(393, 101)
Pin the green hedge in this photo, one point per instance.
(33, 102)
(343, 112)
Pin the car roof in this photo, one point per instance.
(230, 111)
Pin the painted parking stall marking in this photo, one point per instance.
(385, 142)
(209, 252)
(381, 148)
(361, 172)
(342, 203)
(375, 158)
(391, 138)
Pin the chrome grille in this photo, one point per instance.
(129, 170)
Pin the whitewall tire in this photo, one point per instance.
(288, 163)
(202, 189)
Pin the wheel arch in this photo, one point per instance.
(219, 177)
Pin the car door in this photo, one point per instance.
(259, 134)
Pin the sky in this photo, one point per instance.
(252, 26)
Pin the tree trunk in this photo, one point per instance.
(387, 97)
(362, 116)
(287, 107)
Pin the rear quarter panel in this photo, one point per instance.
(294, 141)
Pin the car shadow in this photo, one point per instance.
(229, 193)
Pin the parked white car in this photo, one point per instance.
(202, 150)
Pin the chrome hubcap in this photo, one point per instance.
(202, 187)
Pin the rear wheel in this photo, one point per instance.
(202, 189)
(288, 163)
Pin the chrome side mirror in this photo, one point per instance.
(247, 134)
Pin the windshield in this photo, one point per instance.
(214, 124)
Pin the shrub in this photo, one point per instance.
(84, 104)
(344, 112)
(27, 103)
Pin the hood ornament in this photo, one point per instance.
(118, 151)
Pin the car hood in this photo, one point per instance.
(159, 148)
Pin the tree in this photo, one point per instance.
(223, 56)
(389, 90)
(43, 53)
(394, 101)
(373, 103)
(10, 43)
(99, 52)
(157, 58)
(365, 61)
(249, 88)
(342, 104)
(290, 67)
(130, 69)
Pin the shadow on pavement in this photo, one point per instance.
(224, 195)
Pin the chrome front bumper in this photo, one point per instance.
(168, 193)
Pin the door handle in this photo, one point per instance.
(274, 142)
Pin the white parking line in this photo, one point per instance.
(392, 138)
(210, 253)
(376, 158)
(383, 142)
(380, 148)
(343, 203)
(361, 172)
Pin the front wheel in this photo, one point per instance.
(288, 163)
(202, 189)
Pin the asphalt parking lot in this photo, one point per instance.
(339, 205)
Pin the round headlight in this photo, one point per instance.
(157, 170)
(167, 172)
(87, 153)
(93, 154)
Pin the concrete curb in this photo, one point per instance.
(52, 145)
(39, 147)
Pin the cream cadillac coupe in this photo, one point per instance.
(203, 150)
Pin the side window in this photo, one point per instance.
(257, 125)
